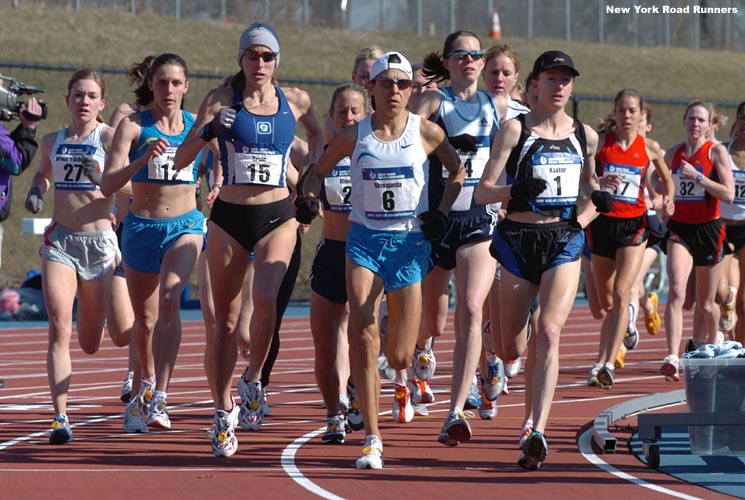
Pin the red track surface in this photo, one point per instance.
(104, 463)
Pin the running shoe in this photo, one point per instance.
(719, 339)
(495, 379)
(386, 371)
(127, 388)
(372, 454)
(144, 398)
(525, 433)
(592, 380)
(671, 368)
(245, 353)
(252, 413)
(653, 322)
(729, 316)
(133, 422)
(224, 441)
(631, 338)
(620, 360)
(354, 416)
(158, 417)
(336, 429)
(402, 410)
(455, 429)
(424, 363)
(421, 392)
(512, 367)
(535, 451)
(488, 409)
(473, 400)
(61, 430)
(606, 376)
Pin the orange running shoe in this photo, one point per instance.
(653, 321)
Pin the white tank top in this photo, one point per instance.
(735, 210)
(389, 179)
(67, 159)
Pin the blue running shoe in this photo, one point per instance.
(61, 430)
(535, 451)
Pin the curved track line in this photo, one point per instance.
(585, 447)
(288, 464)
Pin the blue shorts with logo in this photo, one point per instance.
(145, 241)
(400, 258)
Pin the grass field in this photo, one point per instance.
(105, 39)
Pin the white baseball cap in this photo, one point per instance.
(390, 60)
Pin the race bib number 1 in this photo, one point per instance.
(561, 171)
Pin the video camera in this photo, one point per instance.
(9, 104)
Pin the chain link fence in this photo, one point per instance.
(698, 24)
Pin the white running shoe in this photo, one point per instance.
(631, 337)
(488, 408)
(455, 429)
(421, 392)
(372, 454)
(728, 315)
(402, 410)
(512, 368)
(354, 415)
(159, 412)
(224, 441)
(127, 388)
(592, 379)
(607, 375)
(133, 422)
(493, 382)
(386, 371)
(671, 368)
(61, 430)
(336, 430)
(424, 363)
(252, 413)
(265, 404)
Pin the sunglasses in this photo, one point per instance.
(267, 57)
(462, 54)
(387, 83)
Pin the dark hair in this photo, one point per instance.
(143, 94)
(138, 71)
(433, 67)
(647, 110)
(628, 93)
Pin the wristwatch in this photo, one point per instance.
(699, 178)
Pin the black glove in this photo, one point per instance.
(92, 170)
(528, 189)
(307, 209)
(34, 200)
(603, 201)
(465, 143)
(222, 121)
(434, 224)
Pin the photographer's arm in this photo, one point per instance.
(23, 144)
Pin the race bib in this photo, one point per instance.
(160, 168)
(631, 179)
(257, 166)
(338, 187)
(390, 193)
(474, 164)
(561, 171)
(68, 170)
(686, 190)
(739, 176)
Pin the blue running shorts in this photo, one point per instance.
(400, 258)
(145, 241)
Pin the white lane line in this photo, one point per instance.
(585, 447)
(288, 464)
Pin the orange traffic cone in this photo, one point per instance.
(496, 27)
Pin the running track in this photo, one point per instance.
(286, 458)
